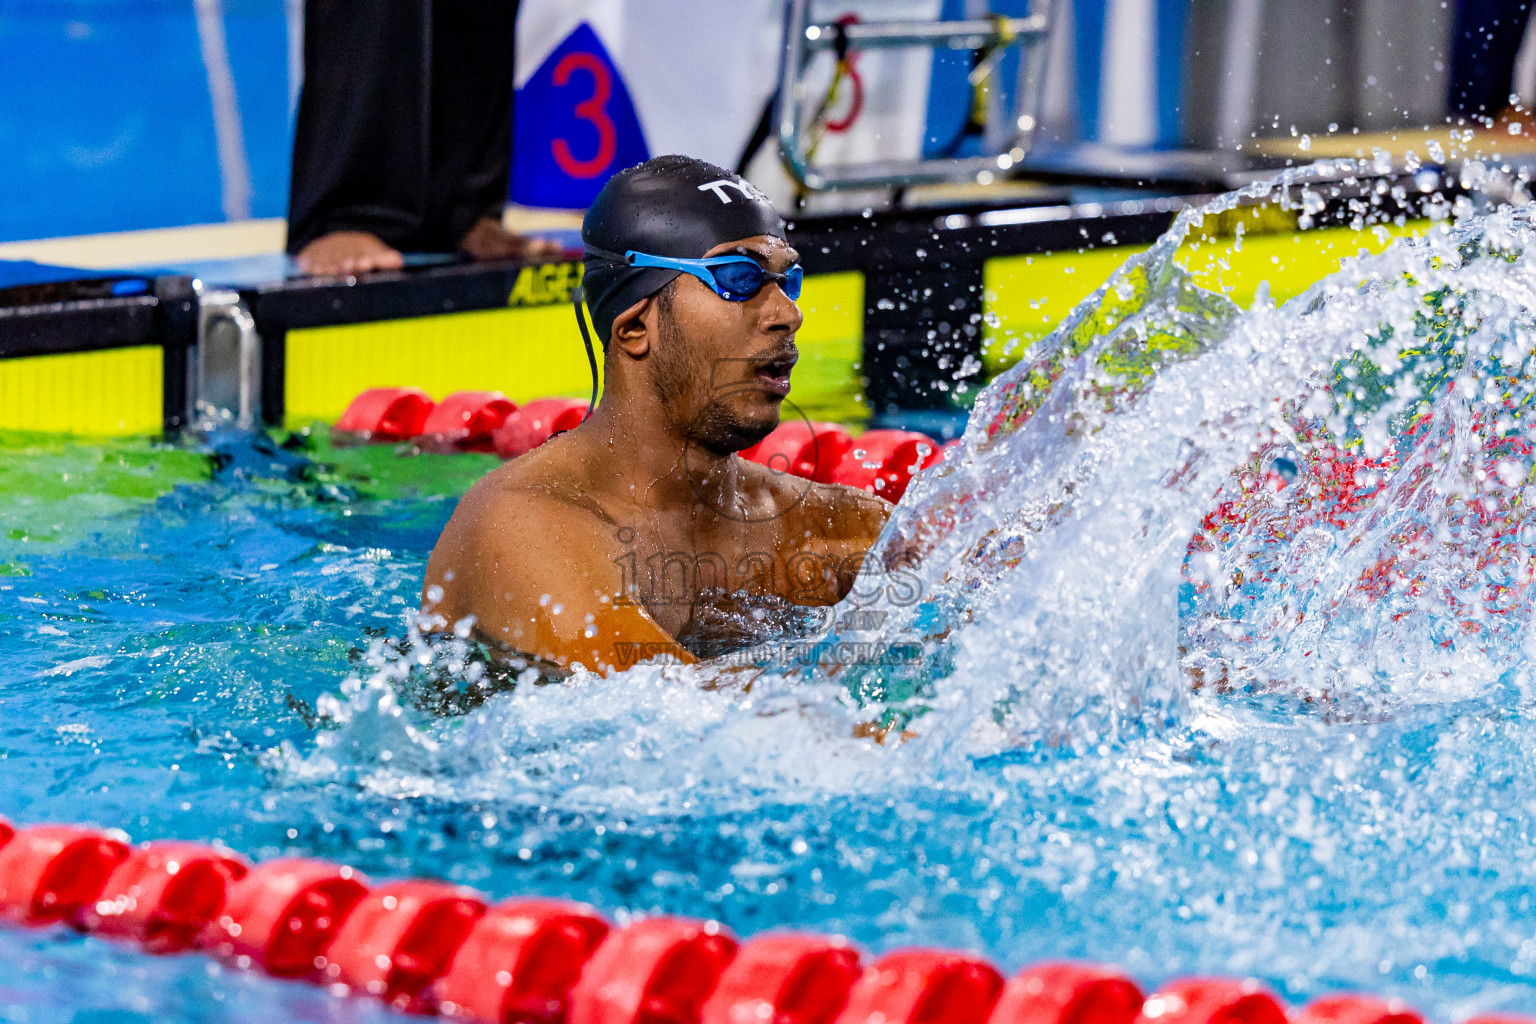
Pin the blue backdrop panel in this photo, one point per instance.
(575, 126)
(949, 97)
(949, 92)
(106, 123)
(257, 34)
(1170, 72)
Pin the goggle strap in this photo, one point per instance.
(619, 258)
(586, 337)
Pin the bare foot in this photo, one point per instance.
(347, 252)
(488, 240)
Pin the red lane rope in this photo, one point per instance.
(432, 948)
(881, 462)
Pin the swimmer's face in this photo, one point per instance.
(723, 367)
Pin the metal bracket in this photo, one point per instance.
(226, 366)
(802, 40)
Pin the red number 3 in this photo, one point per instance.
(593, 110)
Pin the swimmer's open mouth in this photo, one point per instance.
(775, 373)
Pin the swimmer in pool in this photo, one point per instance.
(642, 532)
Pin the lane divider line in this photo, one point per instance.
(880, 461)
(429, 947)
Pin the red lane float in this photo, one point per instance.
(809, 450)
(387, 414)
(48, 872)
(1212, 1001)
(885, 461)
(882, 462)
(1068, 994)
(467, 419)
(535, 423)
(400, 938)
(428, 946)
(923, 986)
(282, 916)
(657, 971)
(164, 895)
(784, 979)
(1357, 1009)
(519, 963)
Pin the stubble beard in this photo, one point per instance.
(678, 370)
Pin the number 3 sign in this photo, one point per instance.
(575, 126)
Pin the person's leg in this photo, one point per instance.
(1484, 43)
(471, 130)
(360, 157)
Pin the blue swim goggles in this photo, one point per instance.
(735, 278)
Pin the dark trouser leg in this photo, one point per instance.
(471, 128)
(360, 154)
(1483, 47)
(405, 121)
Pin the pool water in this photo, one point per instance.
(1182, 703)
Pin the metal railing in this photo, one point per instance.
(989, 38)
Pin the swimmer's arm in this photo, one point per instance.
(849, 514)
(858, 518)
(866, 516)
(540, 582)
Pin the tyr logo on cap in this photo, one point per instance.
(719, 185)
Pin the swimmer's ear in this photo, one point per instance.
(632, 332)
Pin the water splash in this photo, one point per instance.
(1224, 618)
(1388, 568)
(1322, 501)
(590, 743)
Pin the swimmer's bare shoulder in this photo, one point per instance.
(504, 530)
(543, 483)
(531, 558)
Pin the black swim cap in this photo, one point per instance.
(668, 206)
